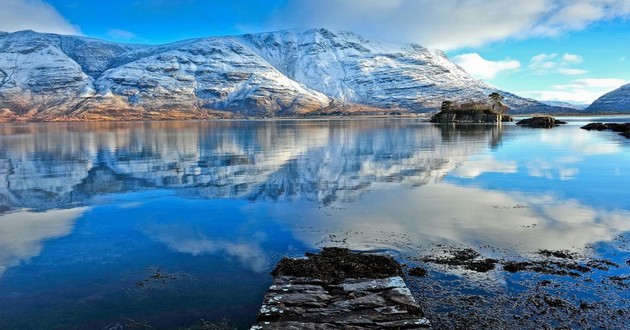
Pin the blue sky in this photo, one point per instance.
(566, 50)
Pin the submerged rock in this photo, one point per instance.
(466, 258)
(418, 271)
(550, 267)
(541, 122)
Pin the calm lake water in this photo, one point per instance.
(168, 223)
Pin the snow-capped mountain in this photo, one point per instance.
(52, 77)
(349, 68)
(615, 101)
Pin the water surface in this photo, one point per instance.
(168, 223)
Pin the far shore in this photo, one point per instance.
(308, 117)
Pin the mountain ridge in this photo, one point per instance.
(576, 106)
(282, 73)
(617, 100)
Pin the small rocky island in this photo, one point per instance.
(473, 112)
(622, 128)
(541, 122)
(339, 289)
(469, 116)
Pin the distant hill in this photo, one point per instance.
(286, 73)
(566, 105)
(615, 101)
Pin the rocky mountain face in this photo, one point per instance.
(286, 73)
(615, 101)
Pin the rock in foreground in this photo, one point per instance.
(339, 289)
(335, 264)
(541, 122)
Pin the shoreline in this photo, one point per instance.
(556, 288)
(422, 116)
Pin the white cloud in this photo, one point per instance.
(481, 68)
(445, 24)
(572, 72)
(571, 59)
(607, 83)
(572, 15)
(575, 96)
(16, 15)
(554, 63)
(543, 62)
(578, 14)
(577, 91)
(449, 24)
(122, 35)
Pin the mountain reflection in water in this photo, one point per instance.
(66, 165)
(45, 166)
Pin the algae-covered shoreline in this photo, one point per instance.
(480, 288)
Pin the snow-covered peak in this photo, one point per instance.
(290, 72)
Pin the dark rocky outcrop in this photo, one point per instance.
(334, 264)
(622, 128)
(339, 289)
(541, 122)
(595, 126)
(469, 116)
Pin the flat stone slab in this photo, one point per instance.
(299, 302)
(350, 304)
(379, 284)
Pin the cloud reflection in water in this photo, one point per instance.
(448, 213)
(375, 175)
(245, 249)
(23, 234)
